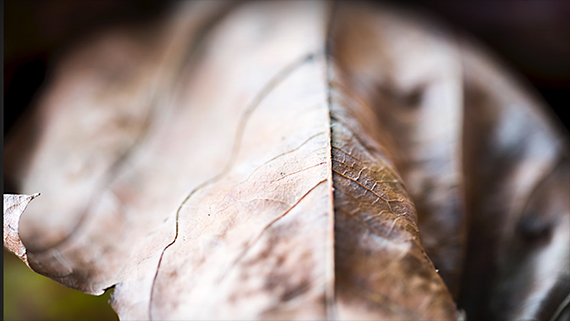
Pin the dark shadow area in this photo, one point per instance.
(37, 32)
(532, 37)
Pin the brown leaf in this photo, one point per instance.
(296, 160)
(14, 207)
(516, 165)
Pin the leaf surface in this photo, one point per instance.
(295, 160)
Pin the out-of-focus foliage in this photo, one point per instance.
(25, 297)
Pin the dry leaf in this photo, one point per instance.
(292, 160)
(14, 207)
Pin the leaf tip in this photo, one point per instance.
(14, 207)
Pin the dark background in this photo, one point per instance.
(531, 37)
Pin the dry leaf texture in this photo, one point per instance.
(296, 160)
(14, 207)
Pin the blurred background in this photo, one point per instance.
(532, 38)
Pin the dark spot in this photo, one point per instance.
(293, 291)
(408, 99)
(414, 97)
(310, 57)
(112, 287)
(533, 228)
(270, 284)
(173, 275)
